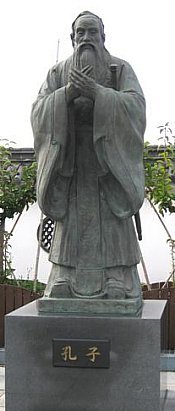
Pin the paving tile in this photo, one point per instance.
(2, 401)
(2, 382)
(171, 395)
(171, 379)
(169, 405)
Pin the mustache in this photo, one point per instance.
(84, 45)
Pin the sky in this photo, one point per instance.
(139, 31)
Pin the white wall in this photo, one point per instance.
(154, 246)
(24, 246)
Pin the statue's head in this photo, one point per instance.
(88, 28)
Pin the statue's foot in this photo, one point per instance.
(113, 290)
(61, 289)
(124, 284)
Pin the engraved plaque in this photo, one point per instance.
(81, 353)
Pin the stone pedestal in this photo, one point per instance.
(131, 383)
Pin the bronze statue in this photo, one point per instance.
(88, 122)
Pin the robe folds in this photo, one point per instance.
(90, 173)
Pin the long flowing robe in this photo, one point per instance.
(90, 172)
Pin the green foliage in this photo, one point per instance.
(159, 174)
(17, 191)
(17, 184)
(27, 284)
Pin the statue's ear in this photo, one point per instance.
(72, 39)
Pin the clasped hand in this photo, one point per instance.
(80, 84)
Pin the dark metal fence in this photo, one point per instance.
(166, 293)
(11, 298)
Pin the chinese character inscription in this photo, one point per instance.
(81, 353)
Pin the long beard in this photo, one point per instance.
(95, 57)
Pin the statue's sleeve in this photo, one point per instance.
(49, 124)
(118, 141)
(49, 112)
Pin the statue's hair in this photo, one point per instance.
(87, 13)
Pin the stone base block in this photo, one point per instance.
(131, 383)
(120, 308)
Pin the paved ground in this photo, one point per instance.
(169, 405)
(170, 402)
(2, 388)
